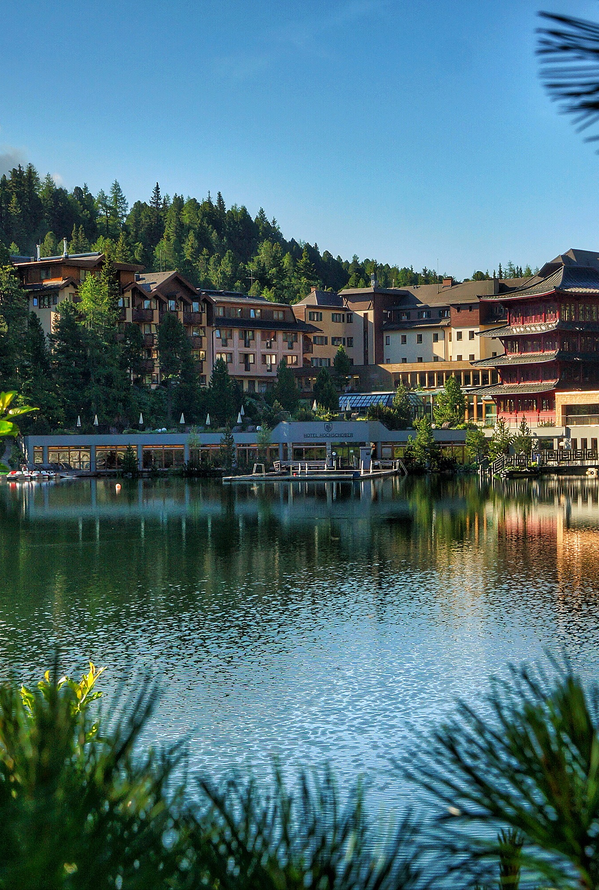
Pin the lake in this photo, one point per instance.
(313, 623)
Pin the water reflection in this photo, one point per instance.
(314, 622)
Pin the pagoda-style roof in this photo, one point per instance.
(535, 358)
(565, 279)
(522, 330)
(515, 389)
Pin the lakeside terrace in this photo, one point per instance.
(288, 441)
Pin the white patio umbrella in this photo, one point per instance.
(78, 420)
(182, 418)
(95, 420)
(207, 420)
(239, 418)
(242, 412)
(141, 419)
(314, 405)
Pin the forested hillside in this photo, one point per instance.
(212, 245)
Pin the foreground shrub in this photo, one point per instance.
(520, 783)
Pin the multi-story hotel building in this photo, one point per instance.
(251, 334)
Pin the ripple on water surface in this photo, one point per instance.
(329, 624)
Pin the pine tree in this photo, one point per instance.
(402, 407)
(221, 394)
(342, 366)
(450, 406)
(325, 392)
(285, 390)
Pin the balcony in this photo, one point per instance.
(147, 365)
(122, 314)
(149, 340)
(197, 342)
(192, 318)
(143, 315)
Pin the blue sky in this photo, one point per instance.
(412, 133)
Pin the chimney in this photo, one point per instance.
(373, 281)
(64, 247)
(38, 251)
(448, 282)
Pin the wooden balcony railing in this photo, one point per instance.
(143, 315)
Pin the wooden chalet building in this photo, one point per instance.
(550, 341)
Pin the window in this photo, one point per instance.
(195, 306)
(444, 313)
(248, 358)
(349, 317)
(471, 357)
(197, 331)
(404, 316)
(321, 341)
(419, 359)
(337, 341)
(435, 337)
(35, 302)
(147, 328)
(337, 317)
(404, 339)
(148, 304)
(424, 313)
(172, 305)
(418, 338)
(220, 311)
(350, 342)
(458, 358)
(471, 335)
(269, 338)
(458, 335)
(320, 362)
(123, 302)
(387, 340)
(278, 315)
(269, 360)
(255, 313)
(291, 360)
(225, 356)
(246, 336)
(314, 316)
(404, 361)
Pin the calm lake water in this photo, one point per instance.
(315, 623)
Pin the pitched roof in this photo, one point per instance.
(568, 279)
(150, 281)
(322, 298)
(575, 257)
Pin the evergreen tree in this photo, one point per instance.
(402, 407)
(477, 444)
(285, 390)
(132, 351)
(450, 406)
(221, 394)
(342, 367)
(424, 448)
(49, 246)
(325, 392)
(501, 440)
(13, 327)
(523, 440)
